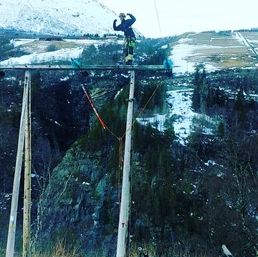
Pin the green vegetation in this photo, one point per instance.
(184, 199)
(5, 46)
(187, 200)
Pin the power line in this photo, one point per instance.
(158, 19)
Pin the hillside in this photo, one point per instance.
(216, 50)
(194, 165)
(56, 17)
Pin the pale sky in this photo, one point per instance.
(179, 16)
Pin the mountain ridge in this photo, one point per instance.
(58, 18)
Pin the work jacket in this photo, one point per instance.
(125, 26)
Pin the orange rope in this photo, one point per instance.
(101, 121)
(93, 107)
(103, 124)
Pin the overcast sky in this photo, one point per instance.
(179, 16)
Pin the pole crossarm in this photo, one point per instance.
(85, 67)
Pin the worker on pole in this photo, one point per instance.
(130, 38)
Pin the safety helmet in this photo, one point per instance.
(122, 15)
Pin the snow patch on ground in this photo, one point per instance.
(49, 57)
(164, 47)
(181, 112)
(66, 78)
(19, 42)
(85, 41)
(4, 201)
(253, 41)
(210, 163)
(181, 116)
(181, 53)
(157, 121)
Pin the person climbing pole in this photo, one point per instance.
(130, 38)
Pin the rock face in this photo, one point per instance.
(79, 203)
(56, 17)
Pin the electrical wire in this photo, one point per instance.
(158, 19)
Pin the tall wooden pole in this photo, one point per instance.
(121, 250)
(27, 174)
(17, 177)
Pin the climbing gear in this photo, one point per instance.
(130, 43)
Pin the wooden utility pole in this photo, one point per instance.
(27, 174)
(125, 199)
(121, 250)
(17, 175)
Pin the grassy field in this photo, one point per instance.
(221, 49)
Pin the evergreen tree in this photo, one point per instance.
(200, 89)
(221, 129)
(240, 108)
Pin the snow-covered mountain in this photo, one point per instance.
(57, 17)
